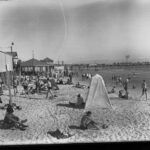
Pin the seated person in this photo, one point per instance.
(87, 122)
(78, 85)
(125, 96)
(120, 94)
(25, 86)
(80, 101)
(10, 120)
(68, 81)
(112, 90)
(60, 81)
(32, 88)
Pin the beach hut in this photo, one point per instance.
(6, 65)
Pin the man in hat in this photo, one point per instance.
(10, 120)
(87, 122)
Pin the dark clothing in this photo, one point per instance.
(126, 86)
(87, 123)
(144, 87)
(9, 118)
(15, 83)
(80, 101)
(144, 90)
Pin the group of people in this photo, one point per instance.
(48, 84)
(86, 76)
(125, 84)
(12, 121)
(38, 85)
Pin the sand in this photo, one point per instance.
(128, 121)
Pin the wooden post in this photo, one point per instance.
(8, 83)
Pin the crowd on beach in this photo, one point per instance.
(43, 84)
(40, 84)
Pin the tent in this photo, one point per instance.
(97, 95)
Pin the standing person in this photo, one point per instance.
(70, 77)
(49, 87)
(144, 89)
(25, 86)
(37, 83)
(126, 85)
(1, 87)
(120, 80)
(15, 84)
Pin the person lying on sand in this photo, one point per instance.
(78, 85)
(87, 122)
(10, 120)
(59, 135)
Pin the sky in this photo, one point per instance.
(76, 31)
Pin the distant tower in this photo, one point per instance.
(127, 58)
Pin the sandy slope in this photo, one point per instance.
(129, 119)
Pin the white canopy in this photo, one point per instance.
(97, 96)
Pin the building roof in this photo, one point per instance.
(47, 60)
(33, 62)
(14, 54)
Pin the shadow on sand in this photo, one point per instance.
(70, 105)
(75, 127)
(2, 126)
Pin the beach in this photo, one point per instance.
(128, 120)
